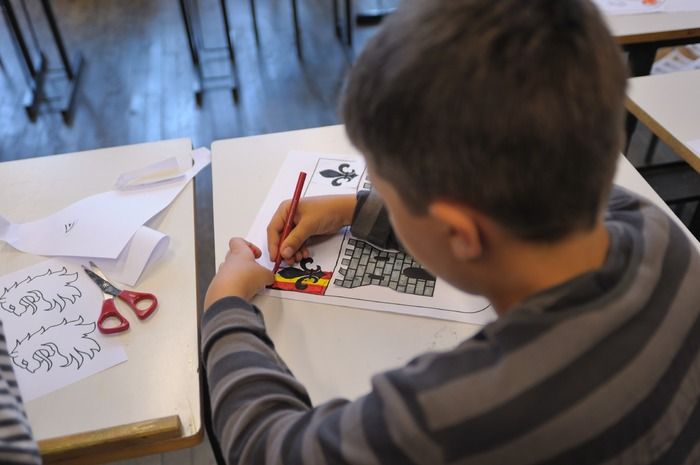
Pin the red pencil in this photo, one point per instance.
(290, 218)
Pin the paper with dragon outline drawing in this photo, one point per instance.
(48, 313)
(344, 270)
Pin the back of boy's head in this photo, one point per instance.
(513, 107)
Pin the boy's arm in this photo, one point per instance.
(262, 414)
(370, 221)
(16, 443)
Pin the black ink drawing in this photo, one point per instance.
(65, 343)
(69, 226)
(48, 291)
(364, 265)
(341, 175)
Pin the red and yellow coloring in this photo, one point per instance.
(303, 279)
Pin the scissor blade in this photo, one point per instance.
(105, 285)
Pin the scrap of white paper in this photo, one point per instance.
(694, 146)
(98, 226)
(629, 7)
(345, 174)
(674, 61)
(143, 250)
(165, 171)
(49, 313)
(682, 5)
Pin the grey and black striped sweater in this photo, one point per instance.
(16, 443)
(603, 369)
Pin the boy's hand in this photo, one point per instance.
(239, 275)
(314, 216)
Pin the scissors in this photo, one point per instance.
(109, 309)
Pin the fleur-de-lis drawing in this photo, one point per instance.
(302, 275)
(343, 174)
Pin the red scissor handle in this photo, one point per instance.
(133, 299)
(109, 310)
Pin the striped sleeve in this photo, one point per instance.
(16, 443)
(262, 414)
(371, 221)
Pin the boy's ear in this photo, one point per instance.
(465, 237)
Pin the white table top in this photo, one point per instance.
(642, 28)
(161, 376)
(669, 104)
(333, 350)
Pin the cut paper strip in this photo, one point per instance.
(49, 313)
(166, 171)
(98, 226)
(143, 250)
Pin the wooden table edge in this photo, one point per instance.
(119, 442)
(662, 133)
(679, 34)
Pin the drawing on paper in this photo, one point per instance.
(347, 271)
(303, 278)
(46, 292)
(69, 226)
(363, 264)
(342, 174)
(66, 343)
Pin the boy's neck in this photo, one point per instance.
(527, 269)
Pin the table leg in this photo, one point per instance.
(641, 59)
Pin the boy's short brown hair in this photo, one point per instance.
(514, 107)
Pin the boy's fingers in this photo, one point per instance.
(274, 229)
(237, 245)
(295, 240)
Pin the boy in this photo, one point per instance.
(491, 130)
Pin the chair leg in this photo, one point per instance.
(254, 15)
(348, 23)
(336, 20)
(694, 225)
(297, 34)
(651, 149)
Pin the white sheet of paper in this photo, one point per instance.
(98, 226)
(345, 174)
(673, 62)
(682, 5)
(49, 313)
(694, 146)
(165, 171)
(629, 7)
(143, 250)
(633, 7)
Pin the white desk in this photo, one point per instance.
(332, 350)
(655, 27)
(641, 35)
(131, 409)
(669, 105)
